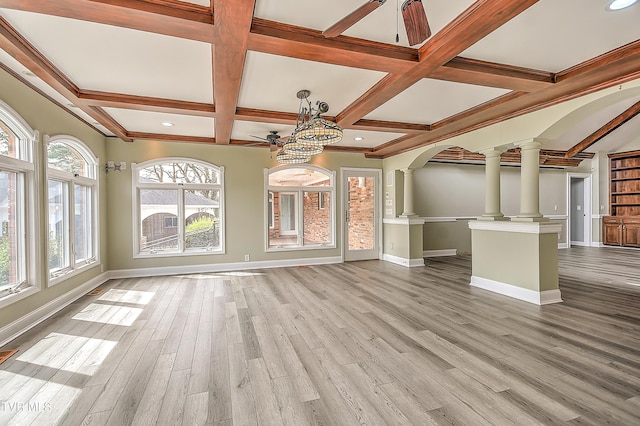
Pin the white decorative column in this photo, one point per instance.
(530, 182)
(492, 185)
(408, 194)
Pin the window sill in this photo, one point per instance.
(178, 254)
(14, 297)
(71, 273)
(301, 248)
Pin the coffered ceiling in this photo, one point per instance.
(227, 70)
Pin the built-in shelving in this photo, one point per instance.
(622, 228)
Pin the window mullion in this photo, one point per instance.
(181, 220)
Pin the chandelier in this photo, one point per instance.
(312, 132)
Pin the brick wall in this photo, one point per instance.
(361, 202)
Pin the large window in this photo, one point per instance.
(179, 207)
(72, 187)
(300, 208)
(18, 230)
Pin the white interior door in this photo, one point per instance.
(361, 195)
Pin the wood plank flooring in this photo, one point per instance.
(357, 343)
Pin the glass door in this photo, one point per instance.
(361, 214)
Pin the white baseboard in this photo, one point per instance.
(563, 245)
(221, 267)
(438, 253)
(537, 297)
(30, 320)
(411, 263)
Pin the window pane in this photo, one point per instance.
(63, 157)
(317, 218)
(155, 206)
(12, 216)
(180, 172)
(202, 213)
(83, 224)
(361, 207)
(299, 176)
(284, 232)
(58, 226)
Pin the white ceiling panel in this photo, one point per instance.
(380, 25)
(556, 35)
(206, 3)
(271, 82)
(114, 59)
(429, 101)
(151, 122)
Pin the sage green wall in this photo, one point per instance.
(244, 200)
(402, 240)
(447, 190)
(49, 119)
(521, 259)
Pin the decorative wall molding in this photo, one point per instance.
(531, 296)
(435, 219)
(33, 318)
(411, 263)
(439, 253)
(222, 267)
(520, 227)
(403, 221)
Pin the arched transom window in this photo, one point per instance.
(179, 207)
(300, 211)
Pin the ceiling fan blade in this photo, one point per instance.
(352, 18)
(415, 22)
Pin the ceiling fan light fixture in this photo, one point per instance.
(620, 4)
(290, 158)
(296, 147)
(318, 131)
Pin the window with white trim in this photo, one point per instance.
(179, 207)
(72, 188)
(300, 207)
(18, 204)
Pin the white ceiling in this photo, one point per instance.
(550, 36)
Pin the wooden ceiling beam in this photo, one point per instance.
(479, 20)
(168, 17)
(303, 43)
(231, 32)
(491, 74)
(145, 103)
(459, 154)
(170, 138)
(603, 131)
(390, 126)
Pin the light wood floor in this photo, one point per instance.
(358, 343)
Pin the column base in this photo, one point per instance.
(530, 219)
(492, 217)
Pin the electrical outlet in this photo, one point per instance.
(246, 257)
(391, 246)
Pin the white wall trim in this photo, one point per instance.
(521, 227)
(447, 218)
(439, 253)
(411, 263)
(563, 245)
(30, 320)
(221, 267)
(536, 297)
(598, 216)
(403, 221)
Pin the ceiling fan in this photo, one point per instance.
(413, 14)
(274, 140)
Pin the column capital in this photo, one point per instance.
(407, 171)
(527, 144)
(493, 152)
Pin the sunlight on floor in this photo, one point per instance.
(128, 296)
(62, 364)
(109, 314)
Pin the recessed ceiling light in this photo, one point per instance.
(620, 4)
(28, 74)
(358, 138)
(167, 124)
(72, 106)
